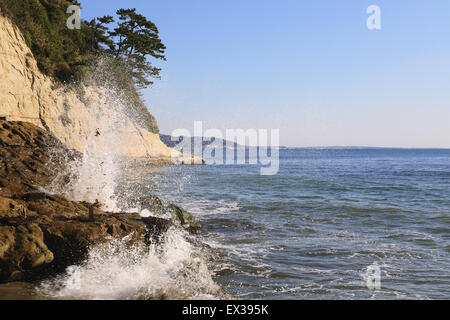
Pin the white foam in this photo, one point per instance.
(116, 270)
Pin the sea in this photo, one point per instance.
(334, 223)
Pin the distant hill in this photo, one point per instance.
(197, 141)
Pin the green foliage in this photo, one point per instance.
(99, 34)
(58, 50)
(137, 38)
(69, 55)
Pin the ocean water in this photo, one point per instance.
(312, 230)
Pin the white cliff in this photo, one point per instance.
(28, 95)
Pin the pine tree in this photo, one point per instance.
(137, 39)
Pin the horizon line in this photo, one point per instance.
(326, 146)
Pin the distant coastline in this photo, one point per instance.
(171, 142)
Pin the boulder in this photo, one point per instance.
(32, 249)
(22, 248)
(183, 218)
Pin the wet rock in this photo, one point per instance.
(184, 218)
(153, 203)
(141, 202)
(156, 226)
(22, 249)
(36, 196)
(158, 208)
(42, 234)
(36, 248)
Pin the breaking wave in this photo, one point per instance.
(118, 270)
(173, 268)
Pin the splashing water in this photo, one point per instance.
(97, 172)
(118, 270)
(109, 120)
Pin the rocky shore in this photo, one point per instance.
(42, 233)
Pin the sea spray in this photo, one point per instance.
(170, 269)
(97, 171)
(113, 116)
(173, 268)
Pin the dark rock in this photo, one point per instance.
(156, 226)
(181, 216)
(35, 197)
(42, 234)
(22, 248)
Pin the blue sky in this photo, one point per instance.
(309, 68)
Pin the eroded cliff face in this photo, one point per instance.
(73, 116)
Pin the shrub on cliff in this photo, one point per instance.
(67, 55)
(58, 50)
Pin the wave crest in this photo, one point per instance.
(120, 270)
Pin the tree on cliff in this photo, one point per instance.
(99, 33)
(72, 55)
(137, 39)
(130, 44)
(64, 53)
